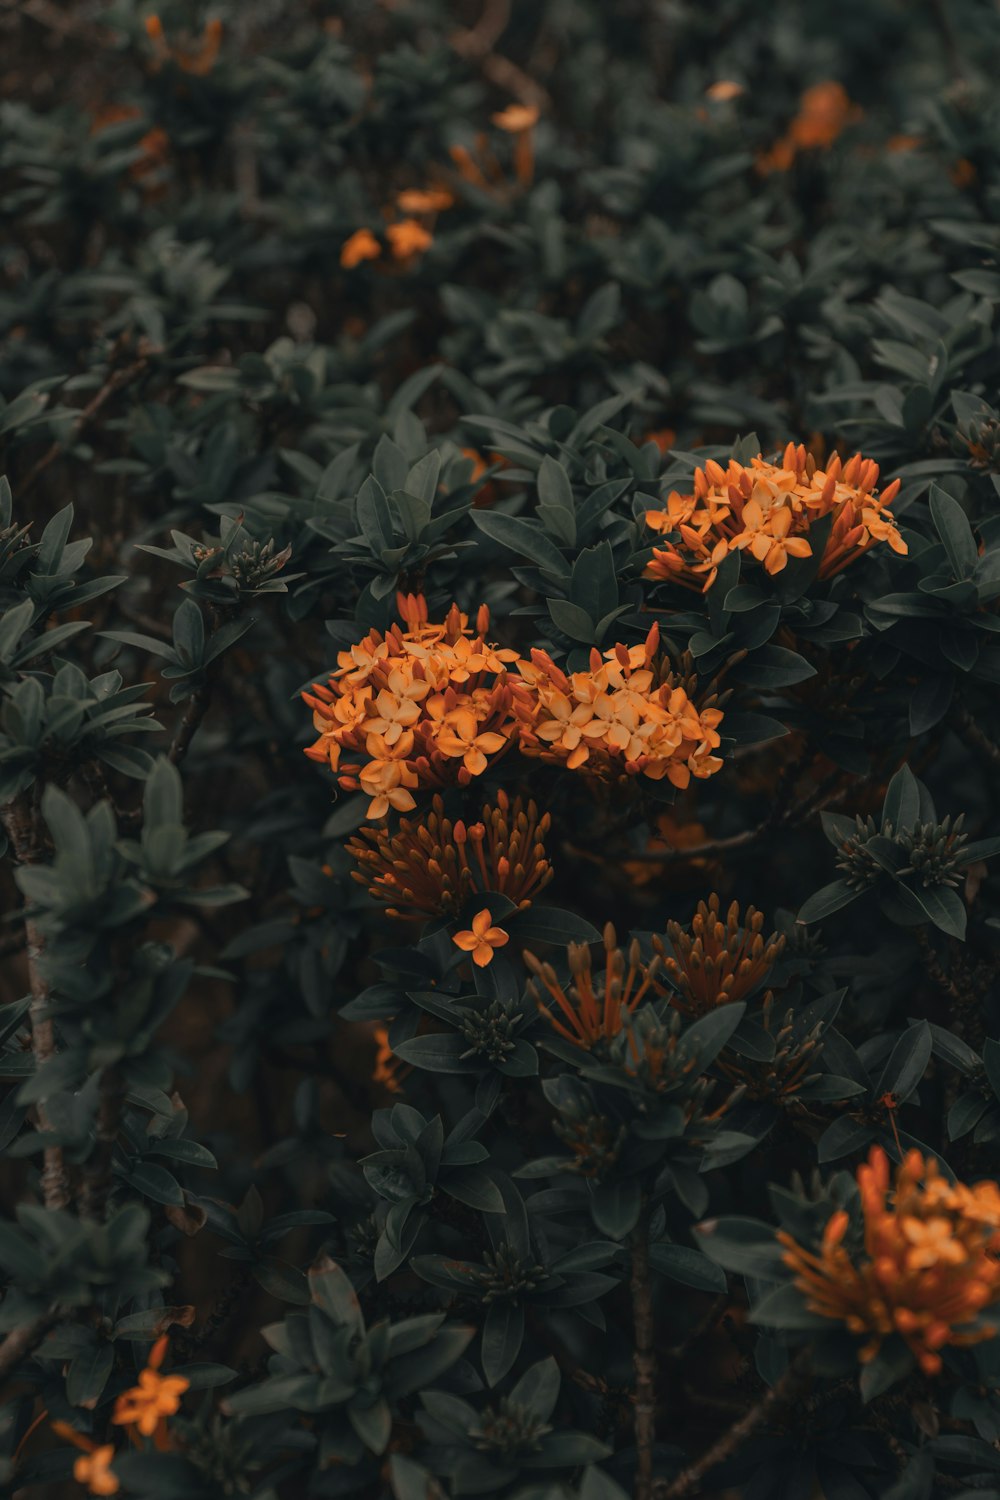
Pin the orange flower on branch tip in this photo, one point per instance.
(432, 200)
(825, 110)
(147, 1405)
(432, 866)
(723, 90)
(198, 63)
(482, 940)
(767, 510)
(926, 1270)
(519, 120)
(715, 962)
(584, 1012)
(408, 238)
(360, 246)
(421, 707)
(627, 716)
(93, 1467)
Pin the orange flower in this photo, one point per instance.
(361, 245)
(156, 1397)
(432, 866)
(716, 963)
(386, 1068)
(927, 1268)
(430, 200)
(824, 112)
(519, 120)
(583, 1013)
(724, 89)
(768, 509)
(94, 1470)
(482, 940)
(93, 1467)
(199, 62)
(626, 716)
(663, 437)
(408, 238)
(422, 707)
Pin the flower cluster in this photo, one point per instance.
(432, 865)
(626, 715)
(586, 1012)
(715, 962)
(420, 707)
(435, 704)
(768, 510)
(927, 1268)
(825, 110)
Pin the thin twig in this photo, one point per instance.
(688, 1481)
(644, 1359)
(116, 381)
(976, 735)
(98, 1171)
(187, 728)
(22, 829)
(21, 1342)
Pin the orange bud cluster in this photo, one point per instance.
(584, 1012)
(623, 717)
(825, 110)
(768, 510)
(431, 866)
(420, 707)
(714, 962)
(929, 1264)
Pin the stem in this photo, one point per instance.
(644, 1360)
(188, 727)
(25, 1340)
(688, 1481)
(23, 831)
(98, 1174)
(116, 381)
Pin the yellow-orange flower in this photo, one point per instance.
(582, 1012)
(824, 112)
(723, 90)
(156, 1396)
(767, 511)
(421, 707)
(432, 865)
(360, 246)
(408, 238)
(385, 1069)
(482, 940)
(519, 120)
(199, 62)
(626, 716)
(716, 962)
(431, 200)
(927, 1268)
(94, 1470)
(93, 1467)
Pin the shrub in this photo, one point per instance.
(499, 567)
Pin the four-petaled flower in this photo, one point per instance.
(482, 940)
(156, 1396)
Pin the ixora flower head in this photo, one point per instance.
(767, 511)
(924, 1267)
(628, 715)
(715, 962)
(433, 864)
(594, 1006)
(417, 707)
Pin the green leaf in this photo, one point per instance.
(824, 902)
(953, 528)
(689, 1267)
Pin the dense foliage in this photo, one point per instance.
(499, 749)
